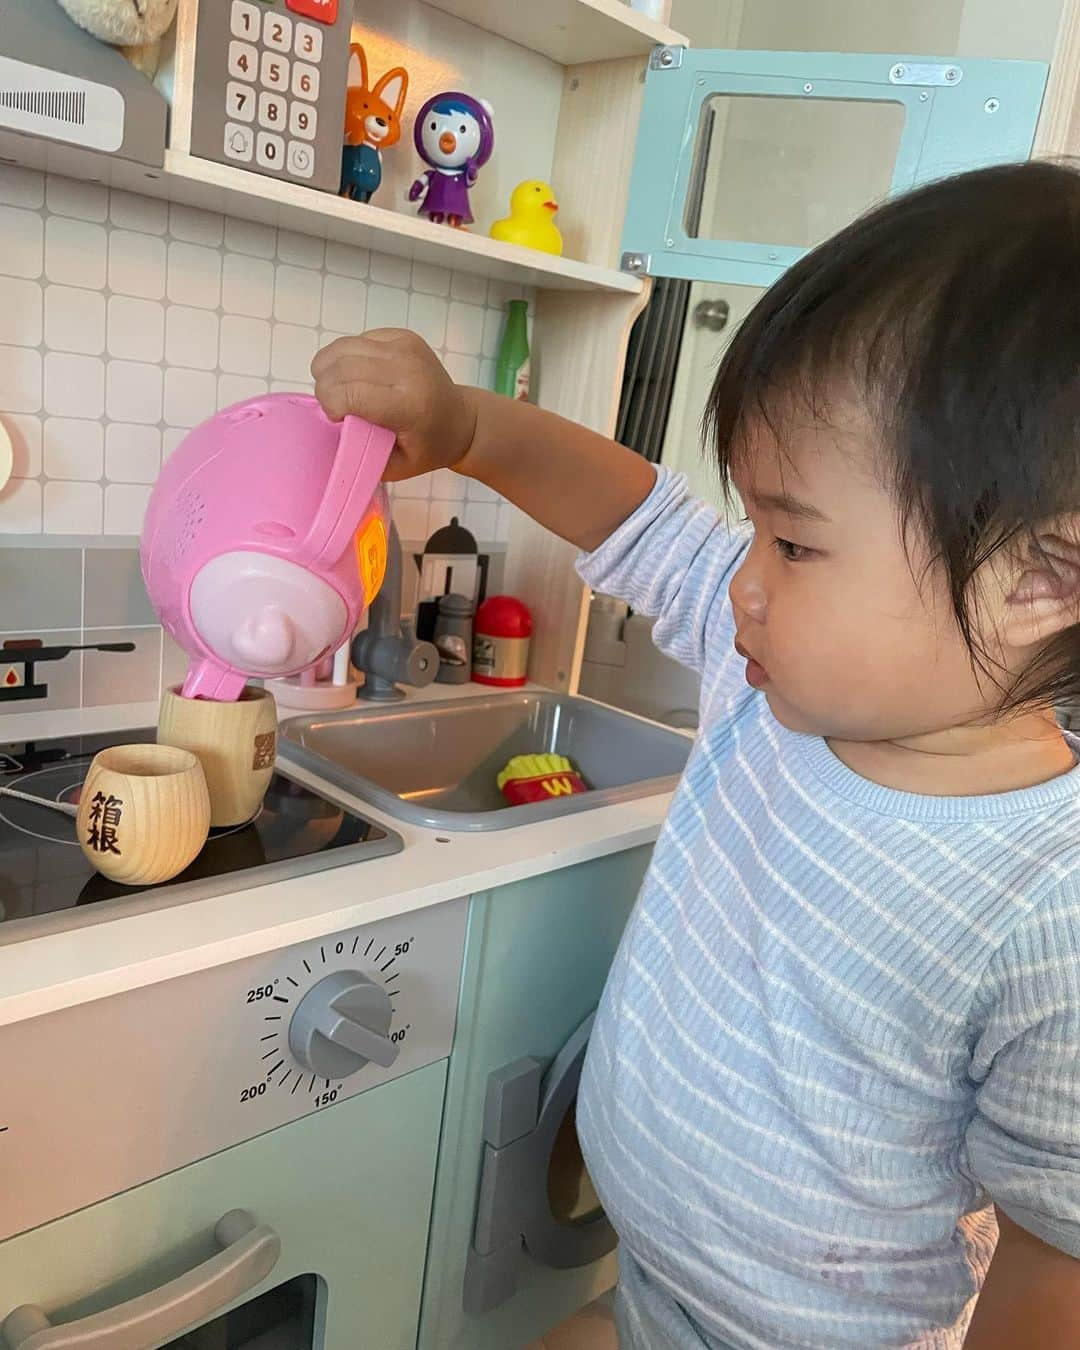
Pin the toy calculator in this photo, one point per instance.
(269, 87)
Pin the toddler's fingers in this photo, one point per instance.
(342, 393)
(377, 342)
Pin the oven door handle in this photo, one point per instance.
(249, 1253)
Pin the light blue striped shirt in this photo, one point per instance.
(841, 1020)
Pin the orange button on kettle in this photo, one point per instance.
(371, 556)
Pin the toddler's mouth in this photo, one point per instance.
(757, 677)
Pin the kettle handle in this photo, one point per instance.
(362, 455)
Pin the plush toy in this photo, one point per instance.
(135, 27)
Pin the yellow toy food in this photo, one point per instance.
(538, 778)
(531, 221)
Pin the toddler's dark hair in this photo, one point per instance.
(956, 311)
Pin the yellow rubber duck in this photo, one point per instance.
(531, 221)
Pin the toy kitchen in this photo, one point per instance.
(302, 1077)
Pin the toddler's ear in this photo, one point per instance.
(1045, 594)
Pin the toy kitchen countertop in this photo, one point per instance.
(127, 950)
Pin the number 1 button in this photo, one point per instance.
(322, 11)
(245, 20)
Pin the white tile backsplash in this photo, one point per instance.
(75, 320)
(195, 226)
(248, 236)
(346, 261)
(68, 197)
(75, 252)
(20, 311)
(21, 187)
(74, 385)
(20, 379)
(344, 304)
(190, 396)
(125, 507)
(292, 351)
(297, 295)
(23, 233)
(191, 337)
(427, 316)
(133, 452)
(194, 275)
(465, 328)
(136, 328)
(20, 507)
(26, 438)
(137, 264)
(301, 249)
(387, 307)
(124, 322)
(73, 508)
(135, 392)
(245, 345)
(132, 212)
(74, 449)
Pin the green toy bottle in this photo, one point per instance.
(512, 366)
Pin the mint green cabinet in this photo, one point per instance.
(347, 1190)
(536, 957)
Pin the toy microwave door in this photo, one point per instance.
(745, 160)
(262, 86)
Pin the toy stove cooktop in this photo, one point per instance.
(46, 885)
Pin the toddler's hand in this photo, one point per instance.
(392, 377)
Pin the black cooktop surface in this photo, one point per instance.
(43, 871)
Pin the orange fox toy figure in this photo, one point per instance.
(372, 122)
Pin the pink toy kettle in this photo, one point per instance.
(265, 538)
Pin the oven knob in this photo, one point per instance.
(340, 1024)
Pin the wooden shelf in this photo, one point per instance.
(251, 196)
(218, 187)
(567, 31)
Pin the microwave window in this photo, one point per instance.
(789, 171)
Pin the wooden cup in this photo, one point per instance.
(144, 813)
(236, 742)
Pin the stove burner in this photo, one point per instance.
(43, 870)
(60, 784)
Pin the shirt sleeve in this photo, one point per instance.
(673, 560)
(1023, 1143)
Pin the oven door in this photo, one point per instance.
(310, 1237)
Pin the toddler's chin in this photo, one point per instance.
(804, 722)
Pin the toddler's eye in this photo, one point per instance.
(791, 552)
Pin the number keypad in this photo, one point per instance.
(268, 87)
(273, 87)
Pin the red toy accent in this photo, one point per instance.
(322, 11)
(501, 633)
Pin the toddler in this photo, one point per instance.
(836, 1061)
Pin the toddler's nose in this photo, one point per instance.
(748, 594)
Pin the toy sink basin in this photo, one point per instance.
(435, 764)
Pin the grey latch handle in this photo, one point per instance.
(249, 1253)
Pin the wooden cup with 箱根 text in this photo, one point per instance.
(236, 743)
(144, 813)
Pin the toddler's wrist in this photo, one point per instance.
(470, 423)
